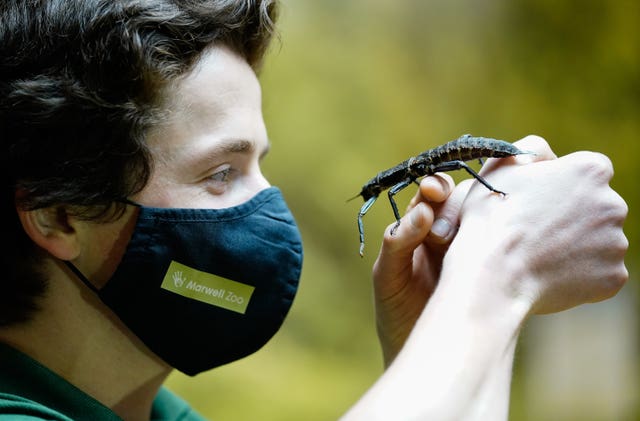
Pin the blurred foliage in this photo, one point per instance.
(355, 87)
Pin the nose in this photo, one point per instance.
(261, 181)
(255, 183)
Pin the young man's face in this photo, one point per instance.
(207, 154)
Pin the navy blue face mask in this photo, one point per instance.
(204, 287)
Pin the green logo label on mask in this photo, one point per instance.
(208, 288)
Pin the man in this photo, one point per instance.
(145, 237)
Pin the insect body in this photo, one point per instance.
(448, 157)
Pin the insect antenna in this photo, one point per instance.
(354, 197)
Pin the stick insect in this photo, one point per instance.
(448, 157)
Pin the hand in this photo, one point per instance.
(408, 265)
(555, 241)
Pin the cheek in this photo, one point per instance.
(159, 192)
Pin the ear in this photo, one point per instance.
(52, 230)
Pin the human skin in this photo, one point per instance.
(554, 242)
(206, 155)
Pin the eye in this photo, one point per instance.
(222, 176)
(221, 180)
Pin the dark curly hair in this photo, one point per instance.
(81, 83)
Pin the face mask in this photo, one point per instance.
(204, 287)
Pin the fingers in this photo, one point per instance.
(537, 146)
(592, 164)
(440, 192)
(437, 187)
(397, 249)
(447, 216)
(599, 168)
(434, 188)
(445, 198)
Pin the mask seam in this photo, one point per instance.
(263, 201)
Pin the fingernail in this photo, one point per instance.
(441, 228)
(415, 216)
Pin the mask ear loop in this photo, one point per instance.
(130, 202)
(81, 276)
(77, 272)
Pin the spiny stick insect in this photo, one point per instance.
(448, 157)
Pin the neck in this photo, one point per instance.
(109, 363)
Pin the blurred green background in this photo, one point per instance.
(354, 87)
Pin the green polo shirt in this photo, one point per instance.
(29, 391)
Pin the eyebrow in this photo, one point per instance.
(241, 146)
(237, 146)
(227, 147)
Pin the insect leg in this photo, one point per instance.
(458, 165)
(392, 192)
(364, 210)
